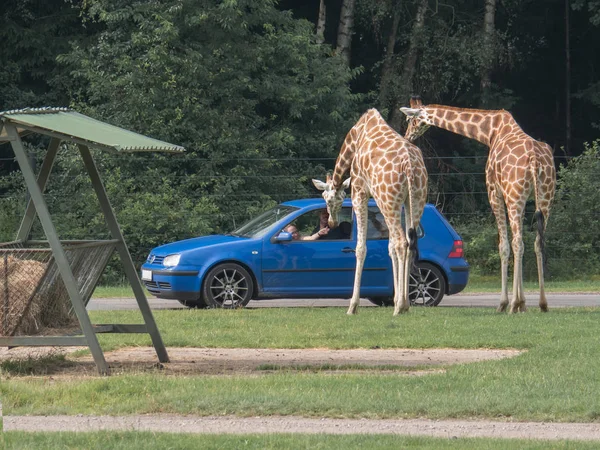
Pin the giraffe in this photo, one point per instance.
(386, 166)
(518, 167)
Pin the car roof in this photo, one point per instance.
(319, 202)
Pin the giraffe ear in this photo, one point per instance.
(320, 185)
(346, 183)
(410, 112)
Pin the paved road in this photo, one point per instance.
(480, 300)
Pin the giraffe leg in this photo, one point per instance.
(539, 255)
(405, 303)
(516, 223)
(360, 210)
(395, 268)
(401, 304)
(497, 204)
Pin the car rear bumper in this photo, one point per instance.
(458, 279)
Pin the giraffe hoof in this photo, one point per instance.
(513, 309)
(502, 307)
(544, 307)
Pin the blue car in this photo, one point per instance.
(261, 260)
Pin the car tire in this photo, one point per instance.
(199, 304)
(227, 286)
(427, 293)
(427, 287)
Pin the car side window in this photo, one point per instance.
(309, 224)
(377, 228)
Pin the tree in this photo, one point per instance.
(573, 228)
(410, 63)
(32, 34)
(489, 50)
(320, 35)
(345, 29)
(240, 84)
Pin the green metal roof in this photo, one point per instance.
(66, 124)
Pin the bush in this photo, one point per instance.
(573, 228)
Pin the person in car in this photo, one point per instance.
(296, 236)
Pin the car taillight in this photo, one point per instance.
(457, 250)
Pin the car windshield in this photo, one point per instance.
(259, 225)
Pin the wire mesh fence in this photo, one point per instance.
(33, 295)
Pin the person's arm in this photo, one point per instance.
(317, 235)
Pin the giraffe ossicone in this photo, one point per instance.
(387, 167)
(518, 167)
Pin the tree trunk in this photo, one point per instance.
(410, 63)
(388, 66)
(567, 80)
(489, 30)
(344, 35)
(320, 36)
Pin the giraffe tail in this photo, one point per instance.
(539, 216)
(413, 249)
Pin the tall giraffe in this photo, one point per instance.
(518, 167)
(386, 166)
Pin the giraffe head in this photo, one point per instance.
(418, 118)
(333, 198)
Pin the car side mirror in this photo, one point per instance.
(283, 236)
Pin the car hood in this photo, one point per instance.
(195, 243)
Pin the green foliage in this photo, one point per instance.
(573, 228)
(33, 33)
(240, 84)
(480, 239)
(481, 248)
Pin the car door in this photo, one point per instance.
(302, 268)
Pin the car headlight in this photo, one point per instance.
(171, 260)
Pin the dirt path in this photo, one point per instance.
(258, 425)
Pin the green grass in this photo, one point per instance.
(491, 284)
(555, 380)
(477, 284)
(149, 441)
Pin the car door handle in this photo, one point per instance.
(348, 250)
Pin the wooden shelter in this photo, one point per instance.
(76, 265)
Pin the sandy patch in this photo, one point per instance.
(211, 361)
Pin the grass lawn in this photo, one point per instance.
(477, 284)
(555, 380)
(149, 441)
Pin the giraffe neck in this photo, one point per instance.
(479, 124)
(344, 161)
(368, 120)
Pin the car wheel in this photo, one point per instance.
(200, 304)
(228, 286)
(427, 285)
(382, 301)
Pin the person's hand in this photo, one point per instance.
(323, 231)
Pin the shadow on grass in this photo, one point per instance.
(36, 365)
